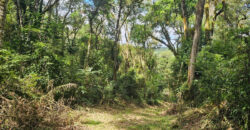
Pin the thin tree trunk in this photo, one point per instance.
(116, 47)
(64, 25)
(86, 62)
(207, 22)
(19, 13)
(213, 10)
(184, 18)
(91, 31)
(2, 19)
(197, 33)
(57, 13)
(39, 19)
(127, 36)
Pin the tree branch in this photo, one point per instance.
(164, 43)
(49, 6)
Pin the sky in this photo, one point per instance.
(89, 1)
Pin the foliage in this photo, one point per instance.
(96, 52)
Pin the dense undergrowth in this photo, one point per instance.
(31, 99)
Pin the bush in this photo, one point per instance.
(24, 114)
(127, 86)
(222, 75)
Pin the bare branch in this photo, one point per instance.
(49, 5)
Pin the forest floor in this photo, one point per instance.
(129, 117)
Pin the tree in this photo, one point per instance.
(197, 33)
(123, 9)
(32, 10)
(2, 19)
(95, 21)
(162, 19)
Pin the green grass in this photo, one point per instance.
(131, 118)
(91, 122)
(151, 119)
(162, 123)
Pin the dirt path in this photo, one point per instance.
(150, 117)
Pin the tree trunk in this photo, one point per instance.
(64, 27)
(207, 22)
(184, 18)
(198, 22)
(19, 13)
(86, 62)
(127, 36)
(212, 10)
(116, 46)
(2, 19)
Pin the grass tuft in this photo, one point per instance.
(91, 122)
